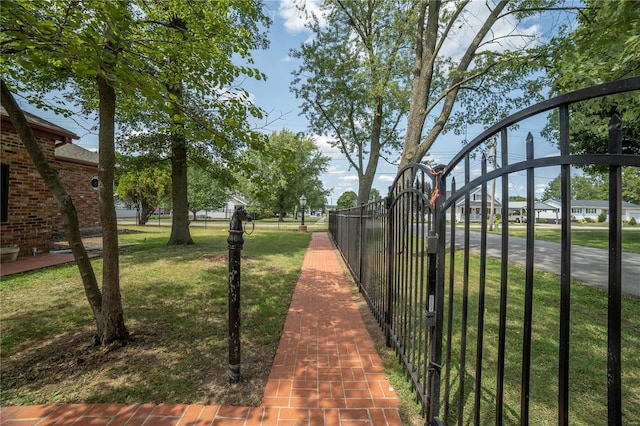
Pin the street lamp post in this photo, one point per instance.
(303, 202)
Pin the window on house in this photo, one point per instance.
(576, 210)
(4, 196)
(590, 211)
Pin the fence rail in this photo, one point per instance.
(469, 329)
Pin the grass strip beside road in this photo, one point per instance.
(586, 237)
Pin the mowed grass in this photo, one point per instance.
(596, 238)
(175, 305)
(588, 349)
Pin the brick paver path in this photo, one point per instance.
(326, 370)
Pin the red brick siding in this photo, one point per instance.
(76, 179)
(30, 203)
(33, 216)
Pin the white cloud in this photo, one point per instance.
(386, 178)
(323, 143)
(296, 19)
(505, 35)
(540, 188)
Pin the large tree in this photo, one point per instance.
(204, 192)
(144, 61)
(289, 167)
(590, 53)
(195, 51)
(347, 200)
(51, 45)
(582, 188)
(467, 56)
(354, 80)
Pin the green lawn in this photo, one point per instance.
(175, 306)
(588, 344)
(597, 238)
(175, 302)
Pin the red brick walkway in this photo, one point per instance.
(326, 370)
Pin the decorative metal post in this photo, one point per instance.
(303, 202)
(235, 242)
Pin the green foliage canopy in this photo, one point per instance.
(144, 184)
(289, 167)
(354, 80)
(347, 200)
(582, 188)
(594, 53)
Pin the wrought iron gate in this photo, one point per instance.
(426, 275)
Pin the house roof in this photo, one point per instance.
(239, 198)
(76, 154)
(42, 125)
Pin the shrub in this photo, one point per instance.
(602, 217)
(589, 220)
(632, 221)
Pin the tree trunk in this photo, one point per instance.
(113, 327)
(415, 145)
(146, 211)
(180, 233)
(366, 178)
(63, 201)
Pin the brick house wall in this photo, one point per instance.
(76, 179)
(30, 205)
(32, 217)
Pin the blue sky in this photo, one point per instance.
(273, 96)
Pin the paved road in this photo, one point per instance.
(589, 265)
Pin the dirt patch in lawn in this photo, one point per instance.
(68, 368)
(174, 355)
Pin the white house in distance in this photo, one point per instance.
(548, 211)
(475, 206)
(583, 209)
(226, 211)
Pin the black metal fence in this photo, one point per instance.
(478, 336)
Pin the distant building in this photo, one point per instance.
(30, 217)
(475, 206)
(226, 211)
(583, 209)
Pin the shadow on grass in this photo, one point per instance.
(175, 306)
